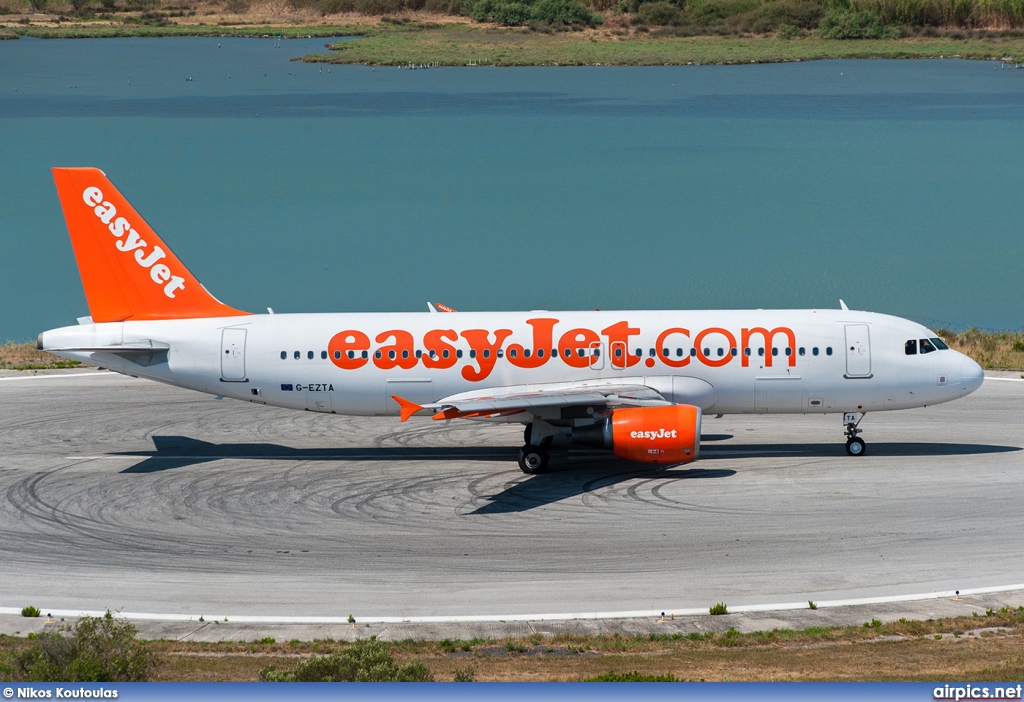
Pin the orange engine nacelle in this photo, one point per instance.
(648, 434)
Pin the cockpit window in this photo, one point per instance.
(910, 348)
(939, 343)
(927, 346)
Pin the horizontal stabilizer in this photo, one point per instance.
(408, 408)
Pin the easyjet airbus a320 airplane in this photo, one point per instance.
(633, 382)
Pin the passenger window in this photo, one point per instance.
(815, 351)
(512, 353)
(284, 355)
(760, 352)
(721, 352)
(618, 353)
(526, 353)
(501, 353)
(419, 354)
(940, 345)
(298, 355)
(597, 352)
(775, 351)
(733, 352)
(445, 353)
(652, 353)
(639, 353)
(693, 352)
(323, 355)
(789, 351)
(910, 348)
(746, 351)
(679, 352)
(580, 352)
(828, 350)
(392, 355)
(540, 353)
(472, 353)
(378, 354)
(366, 354)
(405, 353)
(927, 346)
(458, 353)
(351, 354)
(707, 352)
(803, 351)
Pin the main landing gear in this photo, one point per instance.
(855, 445)
(533, 459)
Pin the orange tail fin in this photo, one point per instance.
(127, 271)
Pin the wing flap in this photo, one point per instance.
(507, 404)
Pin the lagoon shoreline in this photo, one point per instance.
(456, 42)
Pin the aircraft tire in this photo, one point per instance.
(533, 460)
(856, 446)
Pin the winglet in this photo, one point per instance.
(842, 306)
(408, 408)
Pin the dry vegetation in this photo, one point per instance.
(997, 350)
(987, 646)
(25, 356)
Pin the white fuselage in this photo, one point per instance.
(816, 361)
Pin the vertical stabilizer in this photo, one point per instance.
(127, 271)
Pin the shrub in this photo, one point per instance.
(564, 12)
(96, 649)
(467, 674)
(773, 16)
(811, 604)
(556, 12)
(445, 7)
(659, 13)
(632, 676)
(30, 611)
(334, 7)
(364, 661)
(855, 25)
(716, 11)
(719, 608)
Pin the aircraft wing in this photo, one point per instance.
(487, 404)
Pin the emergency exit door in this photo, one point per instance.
(232, 355)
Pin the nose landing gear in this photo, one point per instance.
(855, 445)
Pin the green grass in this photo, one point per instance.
(460, 45)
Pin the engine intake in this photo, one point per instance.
(647, 434)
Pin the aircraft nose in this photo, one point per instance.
(971, 376)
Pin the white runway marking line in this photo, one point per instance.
(1008, 380)
(67, 375)
(636, 614)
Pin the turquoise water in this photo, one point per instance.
(894, 185)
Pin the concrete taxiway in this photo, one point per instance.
(125, 494)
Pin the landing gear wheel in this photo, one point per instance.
(855, 446)
(533, 459)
